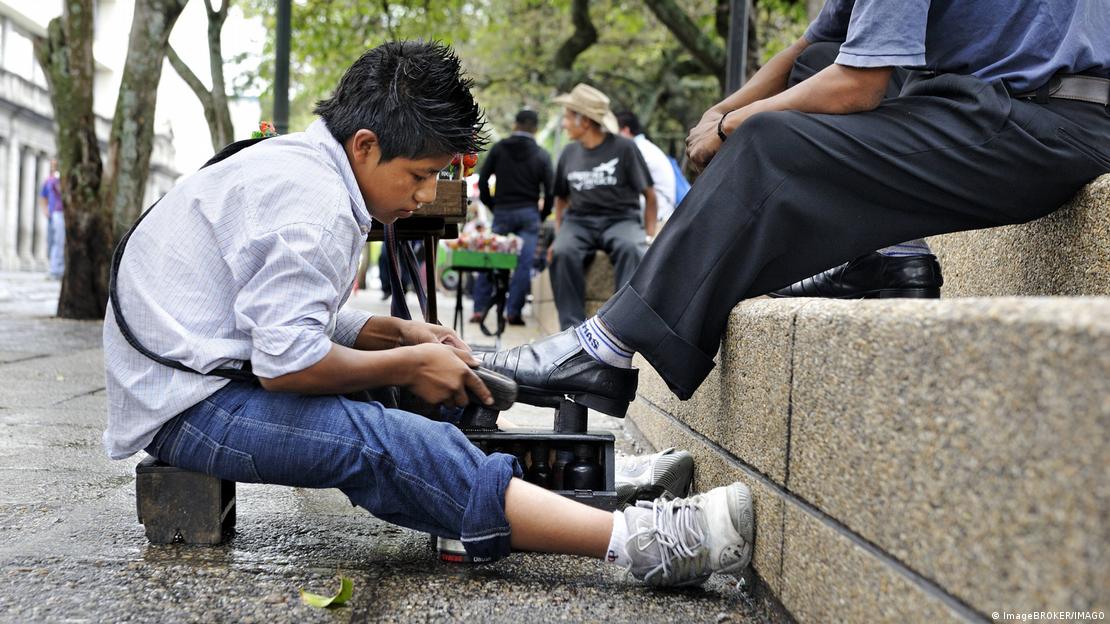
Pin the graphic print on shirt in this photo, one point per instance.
(604, 174)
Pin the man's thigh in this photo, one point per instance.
(949, 146)
(577, 237)
(623, 235)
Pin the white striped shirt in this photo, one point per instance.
(248, 259)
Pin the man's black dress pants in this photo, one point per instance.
(791, 194)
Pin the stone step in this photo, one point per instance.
(911, 460)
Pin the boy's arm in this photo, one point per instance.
(387, 332)
(436, 373)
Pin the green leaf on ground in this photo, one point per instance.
(346, 589)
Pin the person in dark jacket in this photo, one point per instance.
(524, 174)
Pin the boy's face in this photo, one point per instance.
(394, 189)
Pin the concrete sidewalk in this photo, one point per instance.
(71, 549)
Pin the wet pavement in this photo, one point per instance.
(71, 549)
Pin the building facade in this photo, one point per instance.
(27, 144)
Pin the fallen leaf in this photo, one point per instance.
(346, 589)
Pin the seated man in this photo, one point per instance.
(264, 247)
(1008, 123)
(598, 183)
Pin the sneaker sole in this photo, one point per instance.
(743, 520)
(673, 472)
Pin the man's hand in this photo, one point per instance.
(419, 332)
(702, 144)
(442, 374)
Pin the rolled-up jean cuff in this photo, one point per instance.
(485, 529)
(682, 365)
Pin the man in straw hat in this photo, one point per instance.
(803, 174)
(598, 183)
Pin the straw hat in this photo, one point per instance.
(591, 103)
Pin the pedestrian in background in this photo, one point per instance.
(659, 165)
(524, 175)
(51, 200)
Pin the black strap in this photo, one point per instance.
(234, 374)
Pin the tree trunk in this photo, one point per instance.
(133, 125)
(584, 36)
(701, 47)
(224, 133)
(66, 57)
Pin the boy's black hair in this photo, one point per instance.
(628, 119)
(413, 95)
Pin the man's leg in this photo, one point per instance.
(623, 241)
(483, 289)
(576, 239)
(791, 193)
(57, 256)
(526, 225)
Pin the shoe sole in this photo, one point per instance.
(743, 520)
(672, 474)
(882, 293)
(553, 398)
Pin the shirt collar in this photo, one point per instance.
(319, 135)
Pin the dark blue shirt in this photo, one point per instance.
(1021, 42)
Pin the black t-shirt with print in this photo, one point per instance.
(607, 179)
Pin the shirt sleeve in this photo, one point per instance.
(831, 23)
(286, 305)
(876, 33)
(348, 324)
(635, 168)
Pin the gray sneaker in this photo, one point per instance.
(683, 541)
(647, 477)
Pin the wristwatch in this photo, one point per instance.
(721, 128)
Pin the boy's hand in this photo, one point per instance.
(442, 374)
(419, 332)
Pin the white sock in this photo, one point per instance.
(618, 542)
(602, 345)
(916, 247)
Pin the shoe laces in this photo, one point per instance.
(677, 530)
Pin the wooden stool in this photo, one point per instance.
(176, 505)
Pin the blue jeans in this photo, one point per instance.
(524, 221)
(56, 244)
(402, 468)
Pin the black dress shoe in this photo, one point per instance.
(515, 320)
(556, 366)
(873, 276)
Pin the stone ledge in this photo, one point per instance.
(1063, 253)
(963, 438)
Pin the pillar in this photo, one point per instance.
(29, 198)
(10, 207)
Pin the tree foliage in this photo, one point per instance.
(662, 59)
